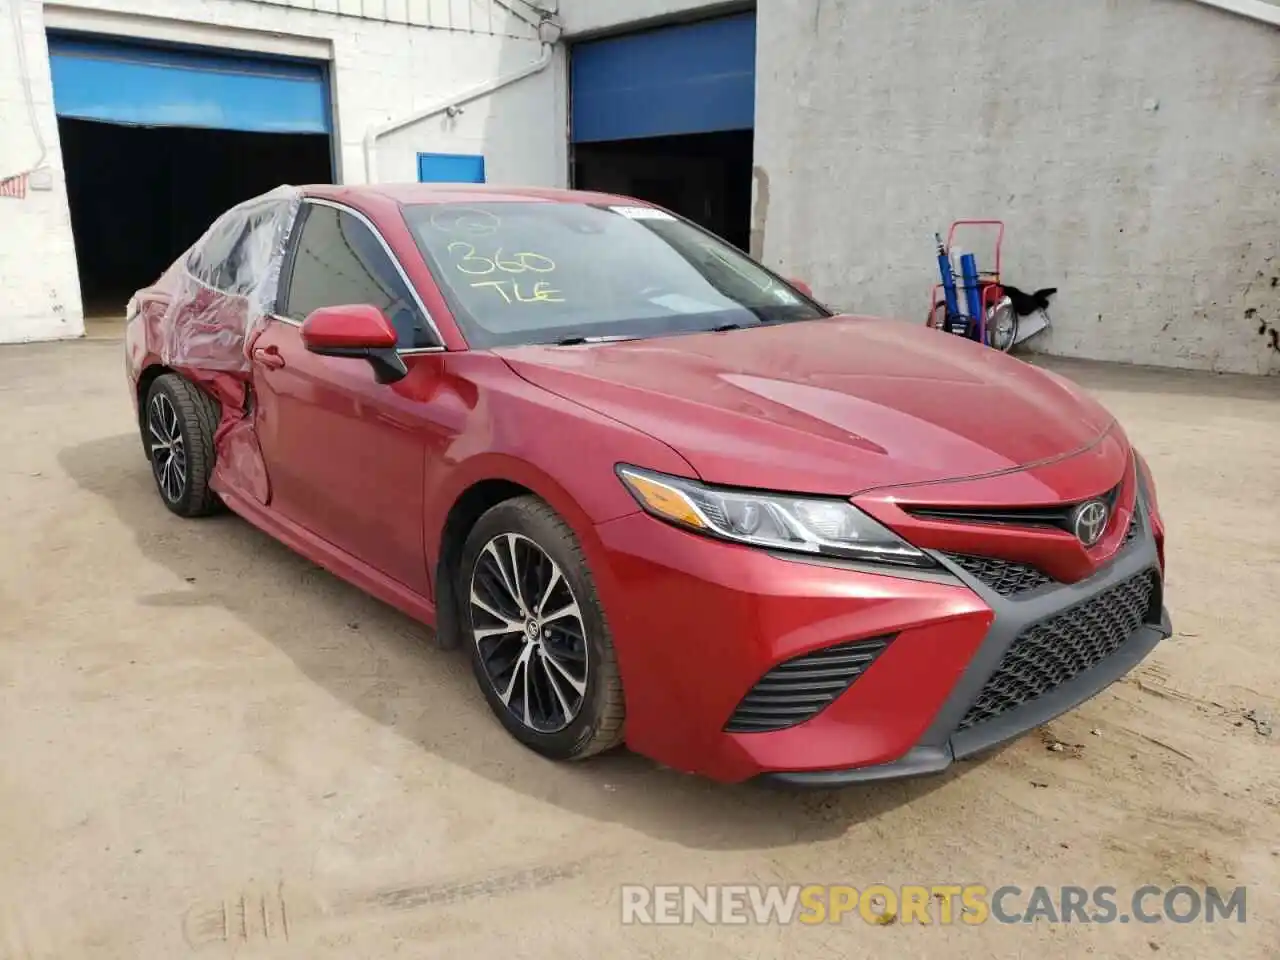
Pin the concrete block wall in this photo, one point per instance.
(1133, 146)
(385, 64)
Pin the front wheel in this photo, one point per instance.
(540, 645)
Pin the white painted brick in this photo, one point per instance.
(381, 71)
(38, 273)
(589, 16)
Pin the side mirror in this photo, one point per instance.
(802, 287)
(358, 330)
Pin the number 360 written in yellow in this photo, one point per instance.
(477, 266)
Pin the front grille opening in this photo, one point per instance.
(1011, 579)
(1005, 577)
(1057, 516)
(1054, 651)
(799, 689)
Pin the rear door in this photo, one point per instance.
(345, 454)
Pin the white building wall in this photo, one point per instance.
(389, 59)
(1133, 146)
(603, 16)
(39, 290)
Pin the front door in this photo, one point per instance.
(345, 455)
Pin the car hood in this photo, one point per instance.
(836, 406)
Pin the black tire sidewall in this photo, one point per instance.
(193, 493)
(534, 520)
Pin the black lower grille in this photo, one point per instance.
(797, 690)
(1056, 650)
(1003, 576)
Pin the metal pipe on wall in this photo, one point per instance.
(445, 105)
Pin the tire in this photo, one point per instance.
(529, 674)
(1002, 326)
(178, 427)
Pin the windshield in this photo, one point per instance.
(542, 272)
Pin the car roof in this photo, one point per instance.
(415, 193)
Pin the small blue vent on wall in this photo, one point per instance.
(450, 168)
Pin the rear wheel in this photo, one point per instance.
(540, 646)
(180, 420)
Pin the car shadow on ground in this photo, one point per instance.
(385, 665)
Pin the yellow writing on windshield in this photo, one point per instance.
(475, 265)
(511, 292)
(471, 221)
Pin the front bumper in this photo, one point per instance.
(697, 623)
(938, 750)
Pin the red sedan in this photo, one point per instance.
(660, 494)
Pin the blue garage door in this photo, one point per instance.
(694, 78)
(143, 85)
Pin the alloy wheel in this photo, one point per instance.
(529, 633)
(168, 453)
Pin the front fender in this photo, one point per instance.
(517, 432)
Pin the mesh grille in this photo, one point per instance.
(1003, 576)
(1054, 651)
(797, 690)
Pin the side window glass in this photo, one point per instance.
(339, 261)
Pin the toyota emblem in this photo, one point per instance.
(1089, 522)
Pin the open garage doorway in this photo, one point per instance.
(703, 176)
(157, 141)
(667, 115)
(140, 196)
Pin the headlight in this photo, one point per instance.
(831, 528)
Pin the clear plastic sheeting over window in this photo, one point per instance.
(223, 290)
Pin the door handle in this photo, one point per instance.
(269, 357)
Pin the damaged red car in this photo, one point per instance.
(661, 495)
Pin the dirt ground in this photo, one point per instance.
(213, 748)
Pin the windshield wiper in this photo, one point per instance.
(726, 327)
(577, 339)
